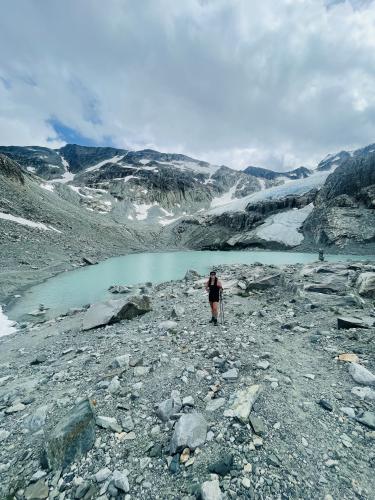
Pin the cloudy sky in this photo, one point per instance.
(274, 83)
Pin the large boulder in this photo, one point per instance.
(366, 284)
(189, 432)
(73, 436)
(191, 274)
(113, 311)
(346, 322)
(264, 282)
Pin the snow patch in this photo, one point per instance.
(284, 227)
(67, 176)
(26, 222)
(115, 159)
(48, 187)
(225, 198)
(294, 187)
(30, 169)
(165, 222)
(141, 210)
(6, 325)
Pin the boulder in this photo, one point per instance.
(113, 311)
(189, 432)
(177, 312)
(73, 436)
(242, 403)
(108, 423)
(346, 322)
(361, 375)
(168, 326)
(37, 491)
(264, 282)
(210, 490)
(168, 408)
(366, 284)
(364, 393)
(191, 274)
(119, 289)
(366, 418)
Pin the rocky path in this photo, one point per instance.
(165, 406)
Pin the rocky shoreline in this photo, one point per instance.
(142, 398)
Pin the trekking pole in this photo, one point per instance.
(221, 308)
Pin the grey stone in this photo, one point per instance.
(108, 423)
(168, 408)
(231, 374)
(120, 480)
(361, 375)
(242, 403)
(263, 365)
(73, 436)
(366, 284)
(178, 311)
(189, 432)
(82, 489)
(215, 404)
(362, 392)
(102, 475)
(366, 418)
(188, 401)
(4, 435)
(191, 274)
(113, 311)
(346, 322)
(257, 425)
(264, 282)
(210, 490)
(127, 423)
(223, 465)
(168, 326)
(121, 361)
(115, 386)
(37, 491)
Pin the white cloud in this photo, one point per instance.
(276, 83)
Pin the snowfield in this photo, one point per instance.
(26, 222)
(6, 326)
(294, 187)
(284, 227)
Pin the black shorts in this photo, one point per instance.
(214, 297)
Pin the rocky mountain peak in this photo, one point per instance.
(10, 168)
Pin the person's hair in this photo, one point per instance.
(213, 272)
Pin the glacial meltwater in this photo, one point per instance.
(90, 284)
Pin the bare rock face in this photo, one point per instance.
(113, 311)
(366, 284)
(343, 213)
(73, 436)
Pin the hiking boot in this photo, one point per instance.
(211, 320)
(215, 322)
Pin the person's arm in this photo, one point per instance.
(219, 284)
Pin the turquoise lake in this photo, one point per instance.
(90, 284)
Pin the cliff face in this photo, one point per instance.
(344, 212)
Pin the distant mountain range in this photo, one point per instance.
(182, 201)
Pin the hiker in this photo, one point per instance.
(214, 289)
(321, 254)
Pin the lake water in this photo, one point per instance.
(90, 284)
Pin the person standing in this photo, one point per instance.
(214, 289)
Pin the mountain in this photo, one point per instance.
(141, 186)
(344, 213)
(45, 230)
(272, 175)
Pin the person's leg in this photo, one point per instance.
(212, 311)
(215, 311)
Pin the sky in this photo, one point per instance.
(271, 83)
